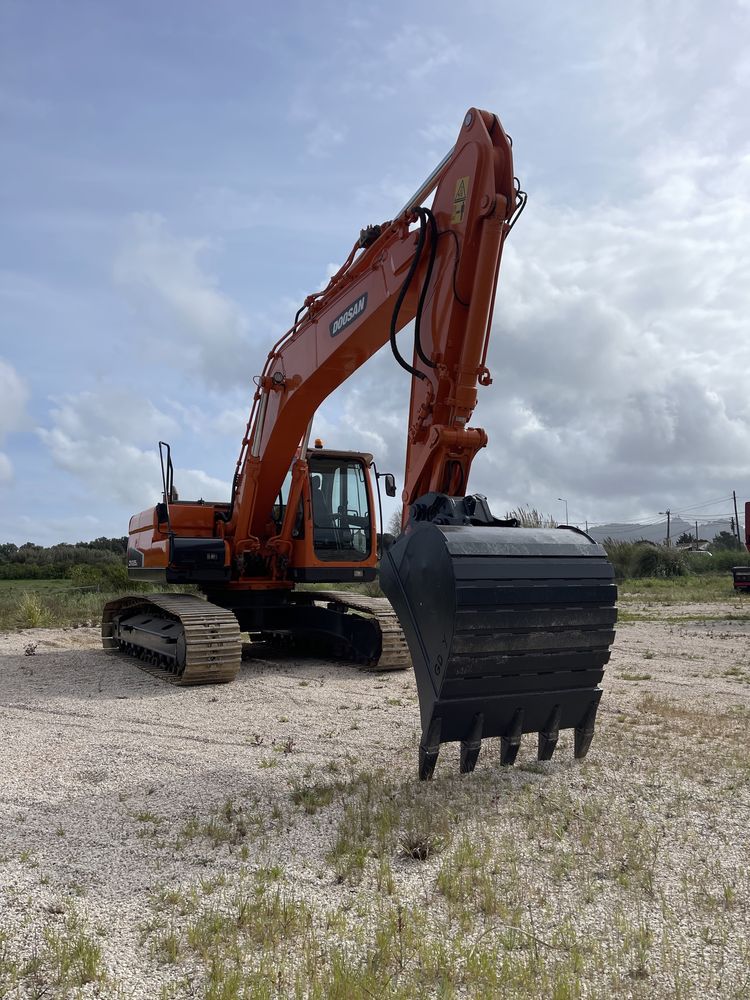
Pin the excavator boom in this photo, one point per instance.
(441, 274)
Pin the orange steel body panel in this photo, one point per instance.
(196, 520)
(150, 536)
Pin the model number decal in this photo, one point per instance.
(349, 314)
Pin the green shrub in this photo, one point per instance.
(530, 517)
(620, 554)
(84, 575)
(718, 562)
(635, 560)
(107, 576)
(655, 561)
(31, 611)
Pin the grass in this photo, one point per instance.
(506, 910)
(692, 589)
(54, 603)
(380, 819)
(49, 607)
(73, 955)
(315, 796)
(232, 825)
(38, 586)
(68, 958)
(550, 882)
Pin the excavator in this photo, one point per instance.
(508, 628)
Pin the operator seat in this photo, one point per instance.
(324, 529)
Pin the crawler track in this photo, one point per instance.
(181, 638)
(395, 649)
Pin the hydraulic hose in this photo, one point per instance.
(402, 295)
(426, 214)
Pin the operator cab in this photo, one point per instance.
(340, 506)
(334, 531)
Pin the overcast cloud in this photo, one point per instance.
(13, 395)
(177, 179)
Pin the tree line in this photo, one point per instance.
(63, 561)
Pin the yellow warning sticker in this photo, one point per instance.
(459, 200)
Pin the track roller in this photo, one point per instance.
(177, 636)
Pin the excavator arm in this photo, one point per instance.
(435, 266)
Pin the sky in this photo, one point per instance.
(176, 177)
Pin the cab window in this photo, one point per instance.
(340, 509)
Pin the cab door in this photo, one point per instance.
(339, 526)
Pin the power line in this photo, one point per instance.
(707, 503)
(724, 516)
(629, 529)
(649, 520)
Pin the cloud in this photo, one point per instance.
(192, 324)
(232, 209)
(52, 530)
(422, 50)
(320, 136)
(112, 412)
(322, 139)
(13, 398)
(618, 351)
(96, 436)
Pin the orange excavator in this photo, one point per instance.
(508, 628)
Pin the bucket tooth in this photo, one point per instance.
(470, 748)
(511, 741)
(549, 735)
(429, 749)
(584, 733)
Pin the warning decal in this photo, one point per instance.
(459, 200)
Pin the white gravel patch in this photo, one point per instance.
(103, 765)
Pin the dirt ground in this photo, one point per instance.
(117, 789)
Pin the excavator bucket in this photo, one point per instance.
(509, 630)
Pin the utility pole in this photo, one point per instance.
(736, 519)
(696, 534)
(669, 514)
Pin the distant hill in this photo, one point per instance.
(658, 532)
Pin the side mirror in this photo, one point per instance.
(390, 484)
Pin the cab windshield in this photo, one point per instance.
(340, 509)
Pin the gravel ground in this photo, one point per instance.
(103, 766)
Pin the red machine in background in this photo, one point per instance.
(508, 628)
(741, 574)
